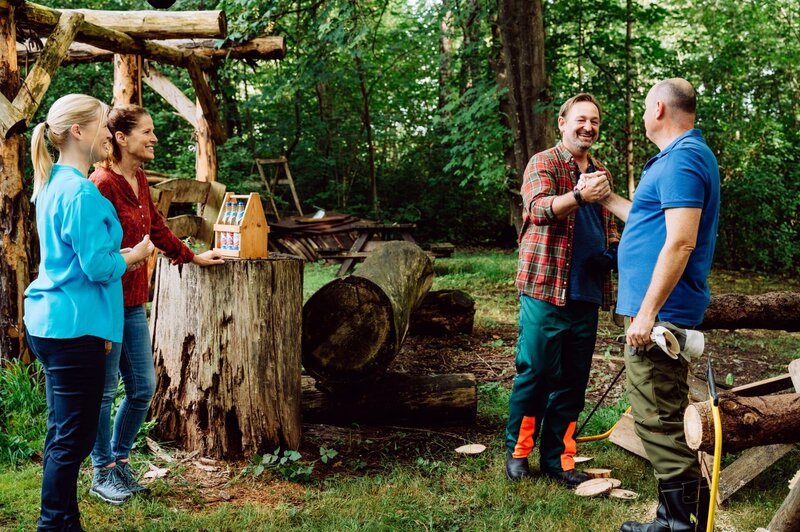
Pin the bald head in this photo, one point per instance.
(677, 93)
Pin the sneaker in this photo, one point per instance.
(109, 486)
(126, 472)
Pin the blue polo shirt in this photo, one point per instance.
(684, 174)
(79, 290)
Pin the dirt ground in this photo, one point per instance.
(489, 355)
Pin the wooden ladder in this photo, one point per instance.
(271, 184)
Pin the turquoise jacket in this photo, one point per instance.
(79, 288)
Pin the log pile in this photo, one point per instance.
(353, 328)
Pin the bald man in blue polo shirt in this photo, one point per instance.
(665, 258)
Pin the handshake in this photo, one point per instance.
(594, 187)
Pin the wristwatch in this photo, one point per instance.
(577, 195)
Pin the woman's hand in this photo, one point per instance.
(208, 258)
(135, 257)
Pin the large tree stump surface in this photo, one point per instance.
(226, 341)
(746, 422)
(354, 326)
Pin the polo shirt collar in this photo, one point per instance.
(691, 133)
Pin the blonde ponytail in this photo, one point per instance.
(68, 110)
(42, 162)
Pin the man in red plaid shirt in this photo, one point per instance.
(567, 247)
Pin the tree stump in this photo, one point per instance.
(226, 341)
(442, 313)
(354, 326)
(746, 422)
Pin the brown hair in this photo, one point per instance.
(123, 119)
(580, 97)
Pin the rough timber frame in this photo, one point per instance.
(135, 40)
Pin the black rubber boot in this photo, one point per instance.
(571, 478)
(516, 468)
(682, 507)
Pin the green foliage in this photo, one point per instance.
(23, 411)
(287, 464)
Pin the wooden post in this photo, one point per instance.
(16, 227)
(206, 159)
(226, 341)
(127, 79)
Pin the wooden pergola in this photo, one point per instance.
(135, 41)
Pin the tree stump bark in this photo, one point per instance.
(773, 310)
(443, 312)
(746, 422)
(226, 341)
(354, 326)
(396, 398)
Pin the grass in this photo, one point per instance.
(434, 489)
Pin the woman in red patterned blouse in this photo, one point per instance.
(122, 181)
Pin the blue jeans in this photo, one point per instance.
(74, 370)
(133, 360)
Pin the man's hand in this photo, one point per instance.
(638, 334)
(594, 187)
(208, 258)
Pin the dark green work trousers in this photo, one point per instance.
(658, 391)
(554, 355)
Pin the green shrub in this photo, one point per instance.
(23, 411)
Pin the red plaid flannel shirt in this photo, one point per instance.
(138, 217)
(545, 249)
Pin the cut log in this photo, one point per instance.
(594, 487)
(598, 472)
(153, 24)
(227, 355)
(773, 310)
(266, 47)
(746, 422)
(443, 312)
(354, 326)
(626, 495)
(394, 398)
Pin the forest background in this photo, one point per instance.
(398, 109)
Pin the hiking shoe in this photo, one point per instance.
(109, 486)
(126, 472)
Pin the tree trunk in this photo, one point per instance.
(206, 156)
(521, 24)
(445, 56)
(396, 398)
(628, 98)
(354, 326)
(367, 120)
(127, 79)
(773, 310)
(746, 422)
(17, 237)
(443, 312)
(227, 355)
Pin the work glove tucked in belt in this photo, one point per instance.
(675, 341)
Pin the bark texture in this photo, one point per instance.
(746, 422)
(227, 355)
(773, 310)
(16, 226)
(394, 398)
(354, 326)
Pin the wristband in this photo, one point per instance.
(578, 198)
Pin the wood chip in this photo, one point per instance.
(156, 472)
(208, 461)
(158, 451)
(581, 459)
(472, 448)
(204, 467)
(598, 473)
(594, 487)
(615, 482)
(626, 495)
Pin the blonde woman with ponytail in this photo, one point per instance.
(74, 308)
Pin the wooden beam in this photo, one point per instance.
(161, 24)
(44, 19)
(205, 99)
(39, 77)
(127, 79)
(12, 120)
(267, 47)
(172, 94)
